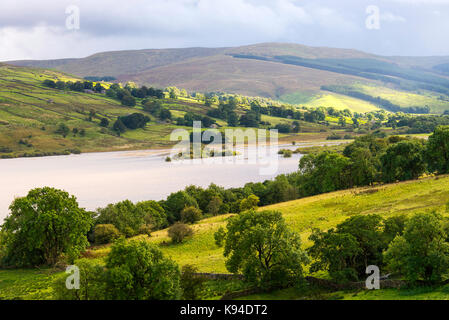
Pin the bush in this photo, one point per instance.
(192, 285)
(105, 233)
(179, 232)
(138, 270)
(191, 214)
(92, 282)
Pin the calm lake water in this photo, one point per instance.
(97, 179)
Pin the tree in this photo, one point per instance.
(232, 119)
(165, 114)
(249, 203)
(260, 245)
(403, 161)
(137, 270)
(179, 232)
(49, 83)
(130, 219)
(363, 166)
(119, 127)
(214, 206)
(92, 282)
(325, 172)
(249, 119)
(104, 122)
(191, 214)
(176, 202)
(422, 252)
(346, 251)
(135, 121)
(98, 88)
(192, 285)
(105, 233)
(44, 226)
(63, 130)
(437, 152)
(128, 100)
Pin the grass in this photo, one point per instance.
(436, 102)
(338, 101)
(27, 284)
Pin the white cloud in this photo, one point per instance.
(390, 17)
(36, 29)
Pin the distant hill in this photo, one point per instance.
(289, 72)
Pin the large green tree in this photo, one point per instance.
(403, 161)
(438, 150)
(261, 246)
(422, 252)
(43, 226)
(137, 270)
(347, 250)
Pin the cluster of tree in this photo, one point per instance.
(74, 86)
(100, 79)
(226, 111)
(155, 108)
(190, 117)
(64, 130)
(417, 124)
(132, 121)
(416, 247)
(372, 159)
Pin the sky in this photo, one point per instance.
(49, 29)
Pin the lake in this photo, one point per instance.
(97, 179)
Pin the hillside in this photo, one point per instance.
(290, 72)
(30, 114)
(322, 211)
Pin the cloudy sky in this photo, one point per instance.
(47, 29)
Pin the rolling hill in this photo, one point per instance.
(30, 114)
(289, 72)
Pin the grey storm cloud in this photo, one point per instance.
(36, 29)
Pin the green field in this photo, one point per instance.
(324, 99)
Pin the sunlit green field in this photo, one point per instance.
(325, 99)
(436, 102)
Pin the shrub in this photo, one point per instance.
(179, 232)
(92, 282)
(138, 270)
(190, 214)
(105, 233)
